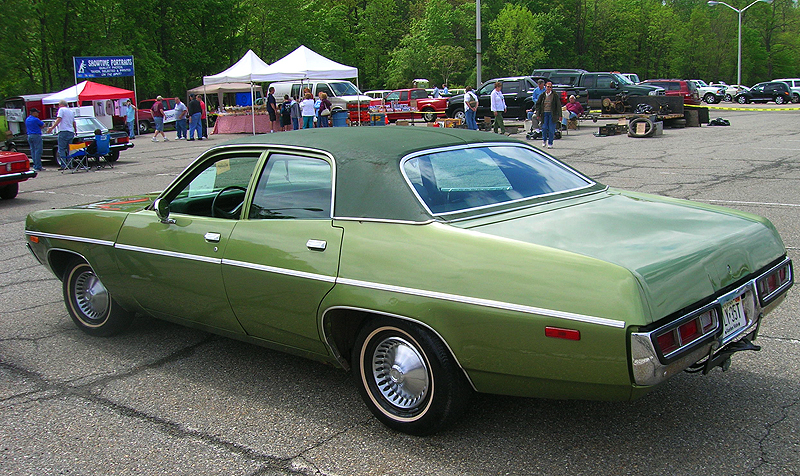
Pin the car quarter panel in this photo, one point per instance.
(491, 298)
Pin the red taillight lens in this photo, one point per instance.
(773, 281)
(689, 331)
(564, 97)
(667, 342)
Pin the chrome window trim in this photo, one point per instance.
(81, 239)
(345, 363)
(483, 145)
(171, 254)
(602, 321)
(387, 220)
(276, 270)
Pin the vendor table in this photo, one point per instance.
(230, 124)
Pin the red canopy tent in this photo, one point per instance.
(88, 91)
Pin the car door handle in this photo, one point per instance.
(316, 245)
(212, 237)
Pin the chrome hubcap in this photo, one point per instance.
(400, 373)
(91, 296)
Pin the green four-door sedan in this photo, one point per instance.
(430, 262)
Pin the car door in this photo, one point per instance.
(174, 267)
(283, 257)
(514, 95)
(758, 92)
(485, 99)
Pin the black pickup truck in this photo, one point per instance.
(517, 94)
(599, 85)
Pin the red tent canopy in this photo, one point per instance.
(88, 91)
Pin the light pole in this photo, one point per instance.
(739, 68)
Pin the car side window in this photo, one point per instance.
(419, 94)
(223, 178)
(589, 80)
(511, 87)
(323, 87)
(295, 90)
(486, 89)
(604, 81)
(293, 186)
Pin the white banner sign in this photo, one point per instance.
(15, 115)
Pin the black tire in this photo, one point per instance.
(742, 100)
(710, 98)
(429, 115)
(729, 98)
(460, 114)
(418, 390)
(9, 191)
(779, 100)
(144, 127)
(795, 98)
(649, 128)
(113, 156)
(89, 303)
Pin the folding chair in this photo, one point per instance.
(102, 150)
(76, 159)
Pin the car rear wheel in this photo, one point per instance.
(113, 156)
(779, 100)
(742, 100)
(795, 98)
(407, 377)
(429, 115)
(144, 127)
(90, 304)
(729, 98)
(459, 114)
(9, 191)
(710, 98)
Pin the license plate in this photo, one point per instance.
(733, 318)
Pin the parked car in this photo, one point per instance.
(794, 86)
(731, 90)
(408, 98)
(517, 94)
(14, 168)
(709, 94)
(86, 127)
(430, 262)
(678, 87)
(144, 114)
(599, 85)
(776, 91)
(377, 93)
(343, 95)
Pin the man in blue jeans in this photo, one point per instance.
(65, 122)
(130, 118)
(33, 125)
(194, 118)
(548, 108)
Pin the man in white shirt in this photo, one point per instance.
(66, 131)
(470, 108)
(498, 107)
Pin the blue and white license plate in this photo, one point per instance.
(733, 317)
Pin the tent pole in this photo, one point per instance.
(205, 102)
(252, 108)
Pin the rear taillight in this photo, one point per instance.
(564, 97)
(122, 140)
(773, 282)
(676, 338)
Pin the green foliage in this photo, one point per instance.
(176, 42)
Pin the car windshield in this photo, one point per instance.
(344, 88)
(622, 79)
(701, 83)
(88, 124)
(393, 96)
(467, 178)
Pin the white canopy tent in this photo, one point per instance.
(304, 63)
(247, 70)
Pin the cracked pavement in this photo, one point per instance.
(164, 399)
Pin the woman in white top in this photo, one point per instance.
(307, 108)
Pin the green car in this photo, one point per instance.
(432, 263)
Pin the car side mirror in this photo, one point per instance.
(162, 211)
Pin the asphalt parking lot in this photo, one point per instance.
(164, 399)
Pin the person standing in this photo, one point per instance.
(203, 116)
(445, 91)
(65, 123)
(194, 119)
(181, 113)
(130, 119)
(33, 125)
(548, 108)
(158, 117)
(286, 113)
(471, 108)
(498, 107)
(436, 92)
(325, 109)
(272, 109)
(307, 108)
(296, 114)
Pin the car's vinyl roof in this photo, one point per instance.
(369, 183)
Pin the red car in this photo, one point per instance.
(144, 116)
(678, 87)
(399, 104)
(14, 168)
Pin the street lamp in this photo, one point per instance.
(739, 69)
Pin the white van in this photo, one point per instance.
(343, 95)
(794, 85)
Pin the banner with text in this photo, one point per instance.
(103, 66)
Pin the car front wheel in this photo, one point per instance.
(407, 377)
(144, 127)
(729, 98)
(459, 114)
(742, 100)
(90, 304)
(710, 98)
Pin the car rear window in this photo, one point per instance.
(475, 177)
